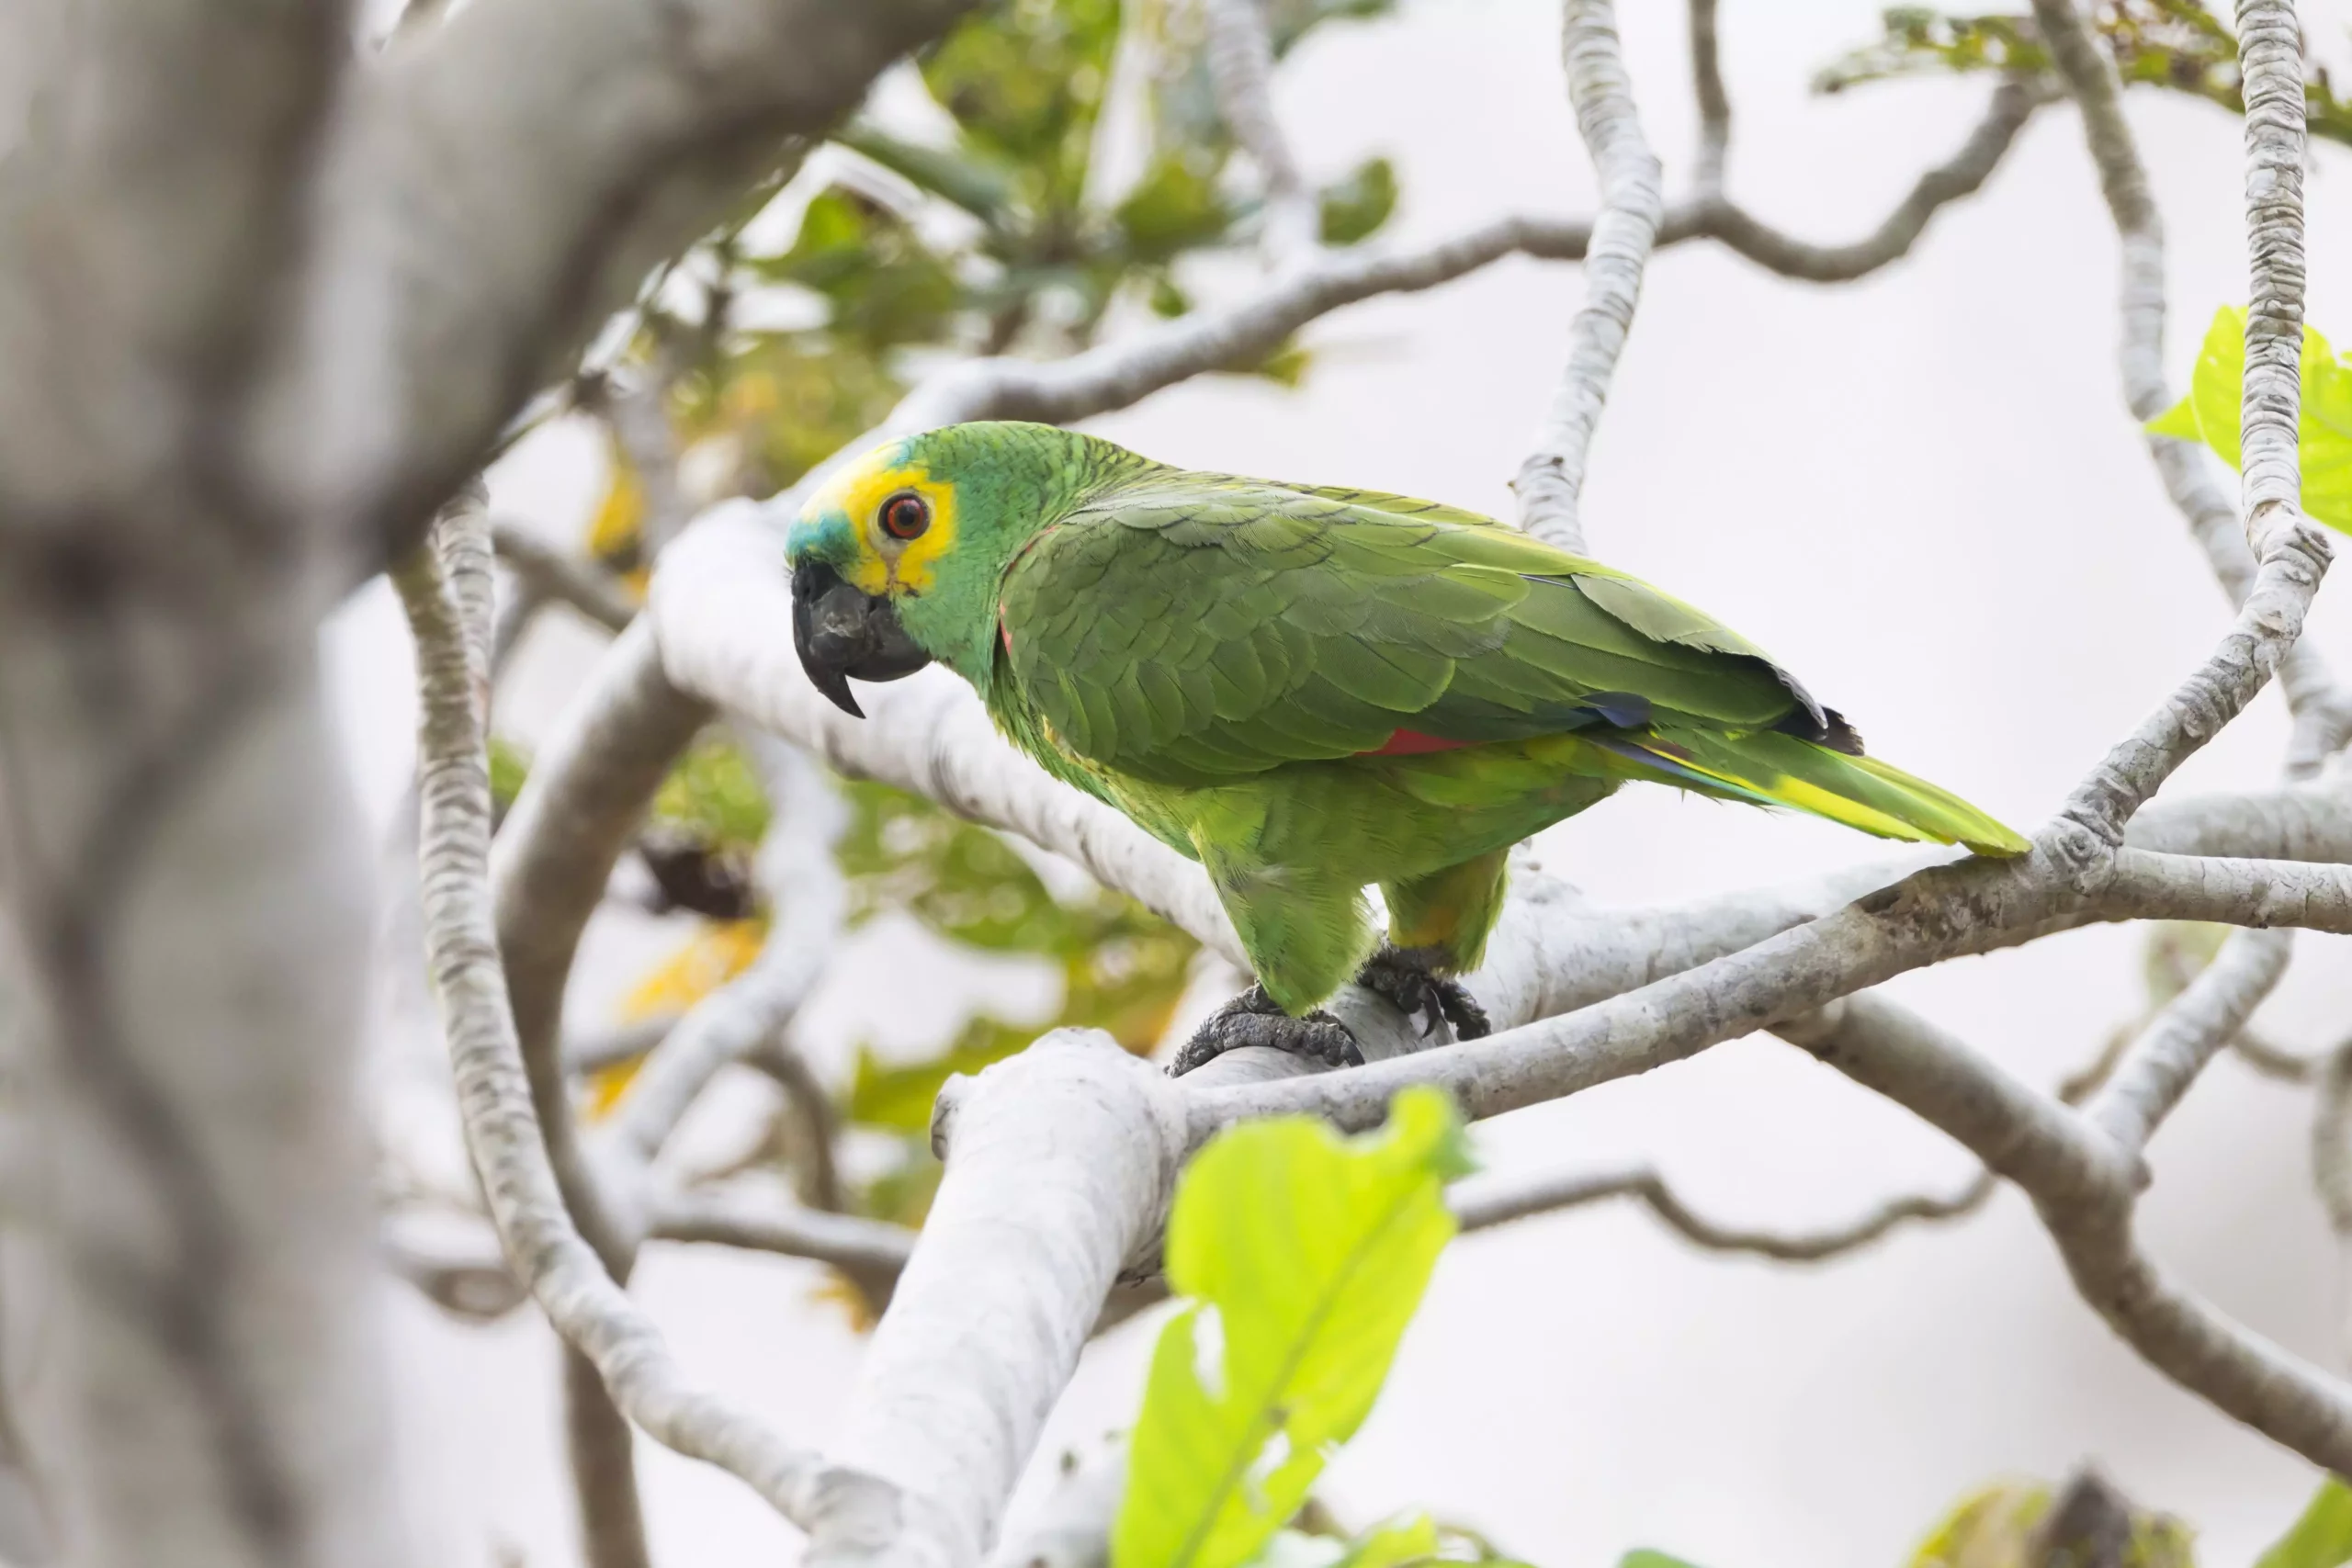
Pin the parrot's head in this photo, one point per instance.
(896, 559)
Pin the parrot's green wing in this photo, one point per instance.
(1194, 630)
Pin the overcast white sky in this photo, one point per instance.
(1922, 493)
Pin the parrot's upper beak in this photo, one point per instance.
(841, 632)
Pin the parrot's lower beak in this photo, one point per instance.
(841, 632)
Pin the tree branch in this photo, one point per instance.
(1552, 479)
(807, 902)
(1964, 174)
(478, 226)
(2083, 1186)
(495, 1094)
(2323, 709)
(1714, 103)
(554, 576)
(1484, 1205)
(1060, 1163)
(1242, 65)
(729, 1219)
(2188, 1032)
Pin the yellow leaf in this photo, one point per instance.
(715, 953)
(616, 533)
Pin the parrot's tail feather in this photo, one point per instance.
(1771, 769)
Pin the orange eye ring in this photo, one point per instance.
(905, 515)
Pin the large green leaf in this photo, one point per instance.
(1305, 1256)
(2322, 1538)
(2211, 413)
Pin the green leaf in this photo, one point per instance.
(1175, 206)
(1296, 1548)
(1306, 1255)
(1355, 208)
(1643, 1557)
(2322, 1538)
(509, 766)
(881, 284)
(1393, 1543)
(1024, 80)
(978, 185)
(713, 794)
(1990, 1528)
(2212, 410)
(900, 1097)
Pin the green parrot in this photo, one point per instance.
(1310, 691)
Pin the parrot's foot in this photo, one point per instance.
(1254, 1018)
(1406, 978)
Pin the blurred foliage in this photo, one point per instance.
(2212, 412)
(2028, 1524)
(995, 234)
(2176, 952)
(1402, 1542)
(2322, 1538)
(1123, 969)
(715, 794)
(509, 766)
(2177, 45)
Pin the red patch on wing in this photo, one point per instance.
(1413, 743)
(1003, 631)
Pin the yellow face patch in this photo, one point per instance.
(883, 563)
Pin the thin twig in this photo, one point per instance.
(1551, 481)
(552, 575)
(2188, 1032)
(807, 902)
(1714, 103)
(494, 1094)
(1479, 1207)
(1242, 65)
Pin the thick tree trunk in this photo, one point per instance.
(191, 882)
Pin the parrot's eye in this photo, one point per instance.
(905, 515)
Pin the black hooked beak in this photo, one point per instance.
(841, 632)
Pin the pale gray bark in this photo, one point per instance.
(2188, 1033)
(186, 866)
(807, 902)
(557, 578)
(496, 1094)
(1551, 479)
(1060, 1163)
(473, 225)
(1482, 1205)
(1241, 63)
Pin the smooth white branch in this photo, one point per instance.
(1241, 65)
(1551, 481)
(494, 1092)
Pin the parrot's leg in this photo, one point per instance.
(1305, 933)
(1437, 927)
(1254, 1018)
(1407, 976)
